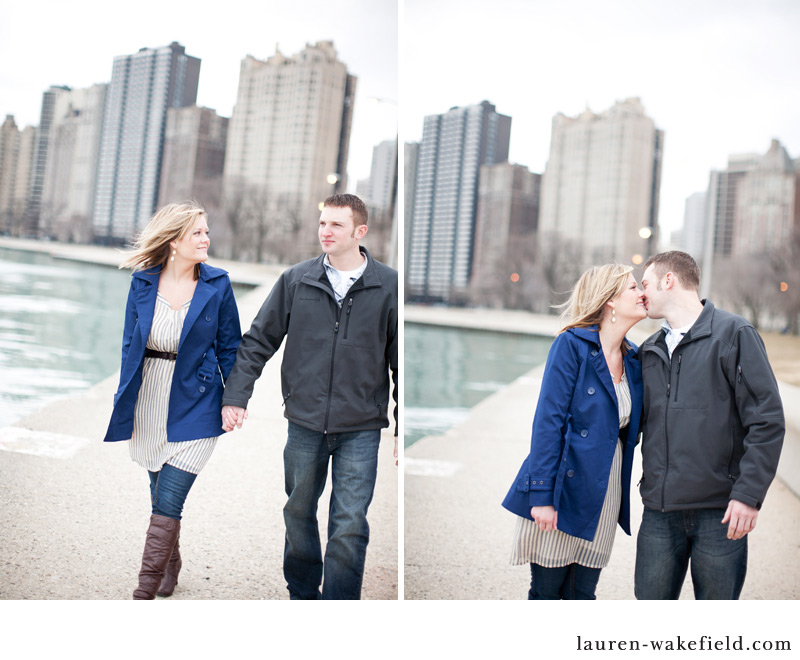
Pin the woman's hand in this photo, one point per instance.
(232, 417)
(546, 517)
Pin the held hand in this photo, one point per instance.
(742, 519)
(233, 417)
(395, 450)
(546, 517)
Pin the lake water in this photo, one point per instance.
(60, 328)
(447, 371)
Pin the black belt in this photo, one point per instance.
(161, 355)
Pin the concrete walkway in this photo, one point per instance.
(457, 536)
(74, 510)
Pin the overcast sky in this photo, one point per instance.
(52, 42)
(719, 77)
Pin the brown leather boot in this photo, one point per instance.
(171, 575)
(162, 535)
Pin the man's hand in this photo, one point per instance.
(742, 519)
(233, 416)
(546, 517)
(395, 450)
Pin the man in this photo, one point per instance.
(712, 435)
(339, 315)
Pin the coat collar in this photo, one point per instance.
(145, 297)
(369, 278)
(153, 273)
(598, 360)
(700, 328)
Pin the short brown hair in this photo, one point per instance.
(345, 200)
(681, 264)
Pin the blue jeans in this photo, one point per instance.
(168, 490)
(354, 460)
(571, 582)
(668, 540)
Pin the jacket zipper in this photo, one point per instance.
(347, 320)
(666, 443)
(740, 377)
(678, 377)
(330, 379)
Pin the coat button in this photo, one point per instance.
(570, 473)
(594, 353)
(202, 388)
(208, 318)
(584, 433)
(590, 390)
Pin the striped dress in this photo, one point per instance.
(148, 446)
(554, 549)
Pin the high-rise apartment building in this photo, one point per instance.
(194, 156)
(766, 211)
(383, 176)
(143, 87)
(508, 215)
(40, 153)
(695, 234)
(601, 184)
(16, 161)
(71, 169)
(289, 134)
(721, 203)
(9, 155)
(441, 241)
(410, 154)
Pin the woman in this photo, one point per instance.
(574, 486)
(179, 344)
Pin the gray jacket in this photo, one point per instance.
(713, 421)
(336, 362)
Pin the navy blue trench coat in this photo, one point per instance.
(206, 353)
(575, 430)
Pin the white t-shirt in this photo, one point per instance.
(674, 335)
(342, 280)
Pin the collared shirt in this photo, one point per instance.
(342, 280)
(674, 336)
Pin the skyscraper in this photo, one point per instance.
(601, 183)
(453, 148)
(695, 227)
(383, 175)
(508, 214)
(765, 207)
(289, 134)
(40, 153)
(143, 86)
(71, 169)
(721, 204)
(194, 156)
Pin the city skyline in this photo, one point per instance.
(718, 77)
(365, 36)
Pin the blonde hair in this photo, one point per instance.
(170, 223)
(593, 290)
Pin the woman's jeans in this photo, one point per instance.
(668, 540)
(354, 461)
(168, 490)
(571, 582)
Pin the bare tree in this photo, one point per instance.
(786, 277)
(560, 264)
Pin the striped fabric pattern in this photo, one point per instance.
(149, 447)
(556, 549)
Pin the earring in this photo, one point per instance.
(613, 315)
(172, 258)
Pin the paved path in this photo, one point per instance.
(74, 510)
(457, 536)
